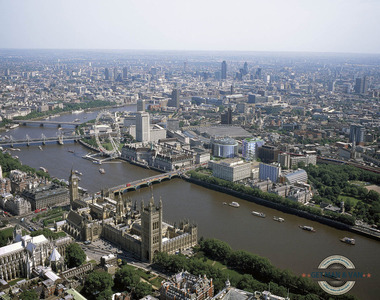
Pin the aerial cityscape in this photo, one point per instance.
(187, 171)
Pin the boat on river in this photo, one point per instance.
(44, 169)
(102, 171)
(278, 219)
(258, 214)
(348, 240)
(234, 204)
(307, 228)
(77, 111)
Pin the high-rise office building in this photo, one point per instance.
(245, 68)
(361, 85)
(115, 73)
(125, 73)
(258, 73)
(175, 98)
(357, 133)
(142, 126)
(226, 118)
(107, 74)
(141, 105)
(250, 146)
(224, 70)
(331, 86)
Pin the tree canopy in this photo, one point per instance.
(98, 285)
(126, 279)
(74, 256)
(28, 295)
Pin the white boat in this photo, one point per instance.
(78, 173)
(44, 169)
(13, 126)
(234, 204)
(348, 240)
(102, 171)
(278, 219)
(258, 214)
(40, 147)
(77, 111)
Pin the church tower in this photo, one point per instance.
(73, 187)
(151, 230)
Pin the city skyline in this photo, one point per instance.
(295, 26)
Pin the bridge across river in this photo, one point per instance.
(46, 122)
(43, 140)
(134, 185)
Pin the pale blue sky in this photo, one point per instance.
(247, 25)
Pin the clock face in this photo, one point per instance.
(74, 183)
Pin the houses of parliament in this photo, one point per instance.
(140, 231)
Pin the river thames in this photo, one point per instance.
(284, 244)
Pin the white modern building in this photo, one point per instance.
(142, 127)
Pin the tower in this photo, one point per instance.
(73, 187)
(142, 127)
(175, 98)
(141, 105)
(245, 68)
(125, 73)
(151, 229)
(107, 74)
(115, 73)
(119, 209)
(357, 133)
(361, 85)
(224, 70)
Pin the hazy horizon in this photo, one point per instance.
(326, 26)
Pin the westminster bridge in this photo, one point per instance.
(134, 185)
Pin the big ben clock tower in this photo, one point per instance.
(73, 187)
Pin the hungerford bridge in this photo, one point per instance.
(42, 123)
(43, 140)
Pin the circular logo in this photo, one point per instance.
(335, 283)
